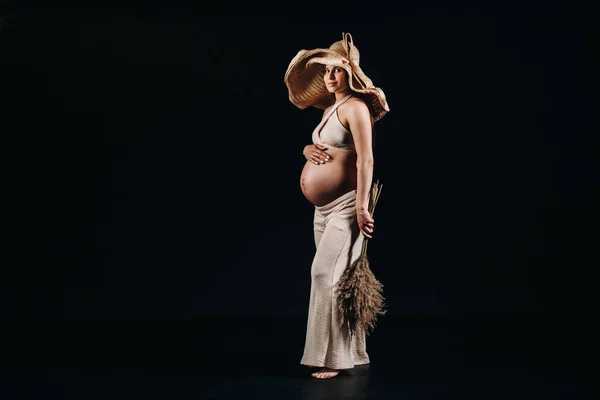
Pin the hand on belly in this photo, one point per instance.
(324, 183)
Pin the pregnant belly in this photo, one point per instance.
(323, 183)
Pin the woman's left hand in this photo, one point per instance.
(366, 223)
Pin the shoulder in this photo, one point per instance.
(354, 108)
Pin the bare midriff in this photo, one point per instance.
(323, 183)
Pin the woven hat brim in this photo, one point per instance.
(306, 87)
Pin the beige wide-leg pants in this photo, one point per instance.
(338, 243)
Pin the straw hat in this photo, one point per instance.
(306, 87)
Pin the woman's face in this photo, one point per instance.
(336, 79)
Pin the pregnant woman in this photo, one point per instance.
(336, 179)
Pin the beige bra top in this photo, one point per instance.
(331, 133)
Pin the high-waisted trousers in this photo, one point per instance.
(338, 243)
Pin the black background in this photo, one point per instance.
(159, 160)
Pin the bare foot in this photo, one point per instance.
(325, 373)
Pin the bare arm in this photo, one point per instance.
(359, 121)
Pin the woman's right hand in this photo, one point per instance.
(315, 153)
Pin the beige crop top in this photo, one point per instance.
(331, 133)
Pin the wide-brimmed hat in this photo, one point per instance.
(306, 87)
